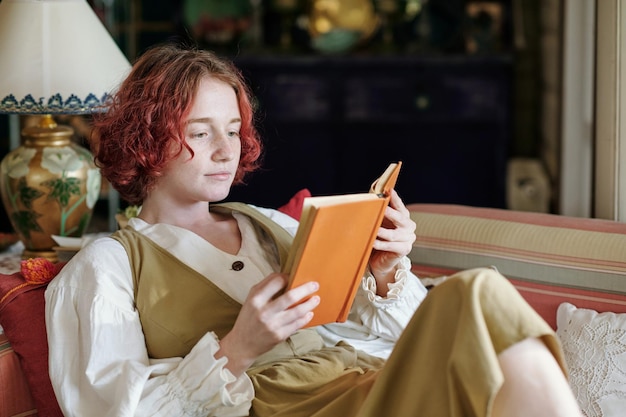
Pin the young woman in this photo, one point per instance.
(156, 321)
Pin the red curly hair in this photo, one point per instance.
(132, 140)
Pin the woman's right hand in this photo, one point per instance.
(266, 319)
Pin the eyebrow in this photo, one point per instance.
(208, 119)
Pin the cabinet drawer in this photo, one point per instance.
(286, 96)
(445, 98)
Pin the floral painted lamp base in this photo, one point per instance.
(49, 187)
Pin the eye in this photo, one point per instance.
(233, 134)
(200, 134)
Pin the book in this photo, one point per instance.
(333, 244)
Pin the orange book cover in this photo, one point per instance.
(333, 244)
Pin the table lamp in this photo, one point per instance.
(56, 58)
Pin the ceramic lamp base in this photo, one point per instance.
(49, 187)
(49, 255)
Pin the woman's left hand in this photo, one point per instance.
(394, 241)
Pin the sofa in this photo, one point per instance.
(571, 270)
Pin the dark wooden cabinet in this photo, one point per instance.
(332, 124)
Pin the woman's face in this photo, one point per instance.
(212, 131)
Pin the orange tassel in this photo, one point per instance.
(39, 270)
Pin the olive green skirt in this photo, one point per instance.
(444, 364)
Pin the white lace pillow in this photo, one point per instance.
(595, 351)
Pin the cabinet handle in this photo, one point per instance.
(422, 102)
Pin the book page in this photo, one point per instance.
(387, 181)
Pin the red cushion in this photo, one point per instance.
(22, 317)
(293, 207)
(15, 397)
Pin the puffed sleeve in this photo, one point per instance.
(98, 361)
(387, 317)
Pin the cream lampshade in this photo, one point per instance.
(56, 57)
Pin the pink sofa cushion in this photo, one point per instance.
(545, 298)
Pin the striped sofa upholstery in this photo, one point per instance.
(549, 258)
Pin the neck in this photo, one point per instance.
(186, 216)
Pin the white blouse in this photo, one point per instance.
(97, 356)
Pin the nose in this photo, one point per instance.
(224, 148)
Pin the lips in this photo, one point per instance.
(222, 176)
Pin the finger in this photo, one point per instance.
(290, 315)
(300, 314)
(398, 249)
(267, 289)
(397, 227)
(398, 219)
(395, 235)
(296, 295)
(396, 210)
(396, 202)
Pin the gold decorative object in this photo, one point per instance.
(49, 187)
(56, 58)
(387, 9)
(340, 24)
